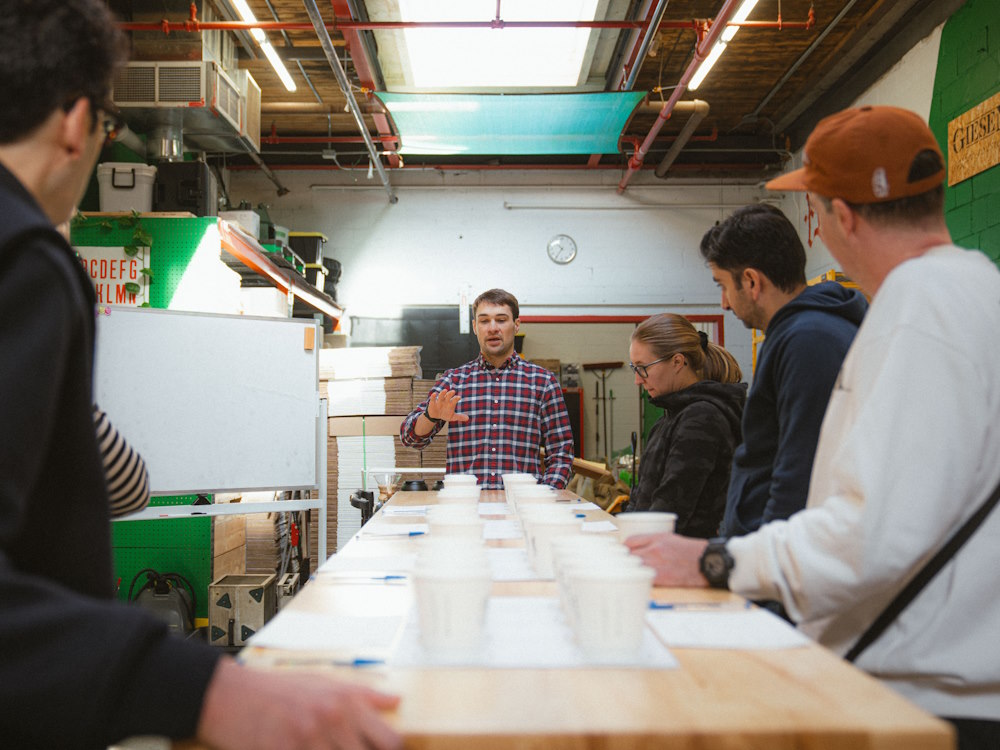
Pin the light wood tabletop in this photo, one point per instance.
(802, 698)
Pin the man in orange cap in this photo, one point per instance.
(908, 450)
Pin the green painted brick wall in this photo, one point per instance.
(968, 72)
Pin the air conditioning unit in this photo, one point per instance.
(214, 112)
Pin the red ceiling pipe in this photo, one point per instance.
(167, 26)
(276, 139)
(705, 167)
(700, 53)
(635, 142)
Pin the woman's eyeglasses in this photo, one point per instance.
(643, 370)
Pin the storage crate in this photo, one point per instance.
(239, 606)
(125, 186)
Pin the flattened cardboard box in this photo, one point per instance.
(372, 425)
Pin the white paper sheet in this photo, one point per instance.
(494, 509)
(348, 637)
(404, 510)
(392, 529)
(502, 529)
(526, 633)
(339, 565)
(722, 628)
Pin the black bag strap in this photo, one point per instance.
(922, 578)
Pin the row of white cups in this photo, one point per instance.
(604, 589)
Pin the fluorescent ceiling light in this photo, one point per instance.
(443, 59)
(265, 45)
(720, 46)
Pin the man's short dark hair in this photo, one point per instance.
(54, 53)
(497, 297)
(761, 237)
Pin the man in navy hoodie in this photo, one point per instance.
(757, 260)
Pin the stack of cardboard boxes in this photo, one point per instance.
(369, 391)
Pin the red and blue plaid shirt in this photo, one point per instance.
(513, 409)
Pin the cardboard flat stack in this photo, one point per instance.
(370, 362)
(358, 444)
(421, 387)
(364, 396)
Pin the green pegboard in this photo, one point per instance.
(175, 243)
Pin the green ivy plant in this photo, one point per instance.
(136, 247)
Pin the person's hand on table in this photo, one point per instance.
(443, 405)
(673, 557)
(248, 709)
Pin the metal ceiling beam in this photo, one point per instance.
(864, 51)
(345, 86)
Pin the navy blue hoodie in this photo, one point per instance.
(804, 346)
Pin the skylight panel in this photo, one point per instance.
(443, 59)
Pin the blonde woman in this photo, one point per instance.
(686, 462)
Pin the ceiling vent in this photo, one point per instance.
(212, 110)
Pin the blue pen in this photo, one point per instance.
(581, 515)
(389, 578)
(699, 605)
(417, 533)
(360, 662)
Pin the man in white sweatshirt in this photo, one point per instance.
(910, 444)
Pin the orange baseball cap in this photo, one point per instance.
(864, 155)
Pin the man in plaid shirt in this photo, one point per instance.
(499, 408)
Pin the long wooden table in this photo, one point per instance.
(802, 699)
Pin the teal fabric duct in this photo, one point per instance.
(510, 124)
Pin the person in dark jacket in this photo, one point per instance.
(79, 669)
(757, 259)
(686, 462)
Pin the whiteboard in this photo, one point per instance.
(212, 402)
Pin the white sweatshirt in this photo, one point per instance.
(909, 449)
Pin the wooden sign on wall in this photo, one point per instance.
(974, 141)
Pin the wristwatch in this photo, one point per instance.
(715, 563)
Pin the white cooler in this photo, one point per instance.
(126, 186)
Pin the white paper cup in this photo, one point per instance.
(570, 566)
(451, 552)
(509, 480)
(451, 609)
(644, 522)
(460, 479)
(453, 510)
(459, 524)
(541, 531)
(609, 610)
(459, 494)
(528, 494)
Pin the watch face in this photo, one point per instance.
(715, 566)
(562, 249)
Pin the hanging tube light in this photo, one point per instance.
(720, 46)
(265, 45)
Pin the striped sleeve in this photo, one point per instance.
(124, 470)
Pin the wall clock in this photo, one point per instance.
(561, 249)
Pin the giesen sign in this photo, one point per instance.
(118, 279)
(974, 141)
